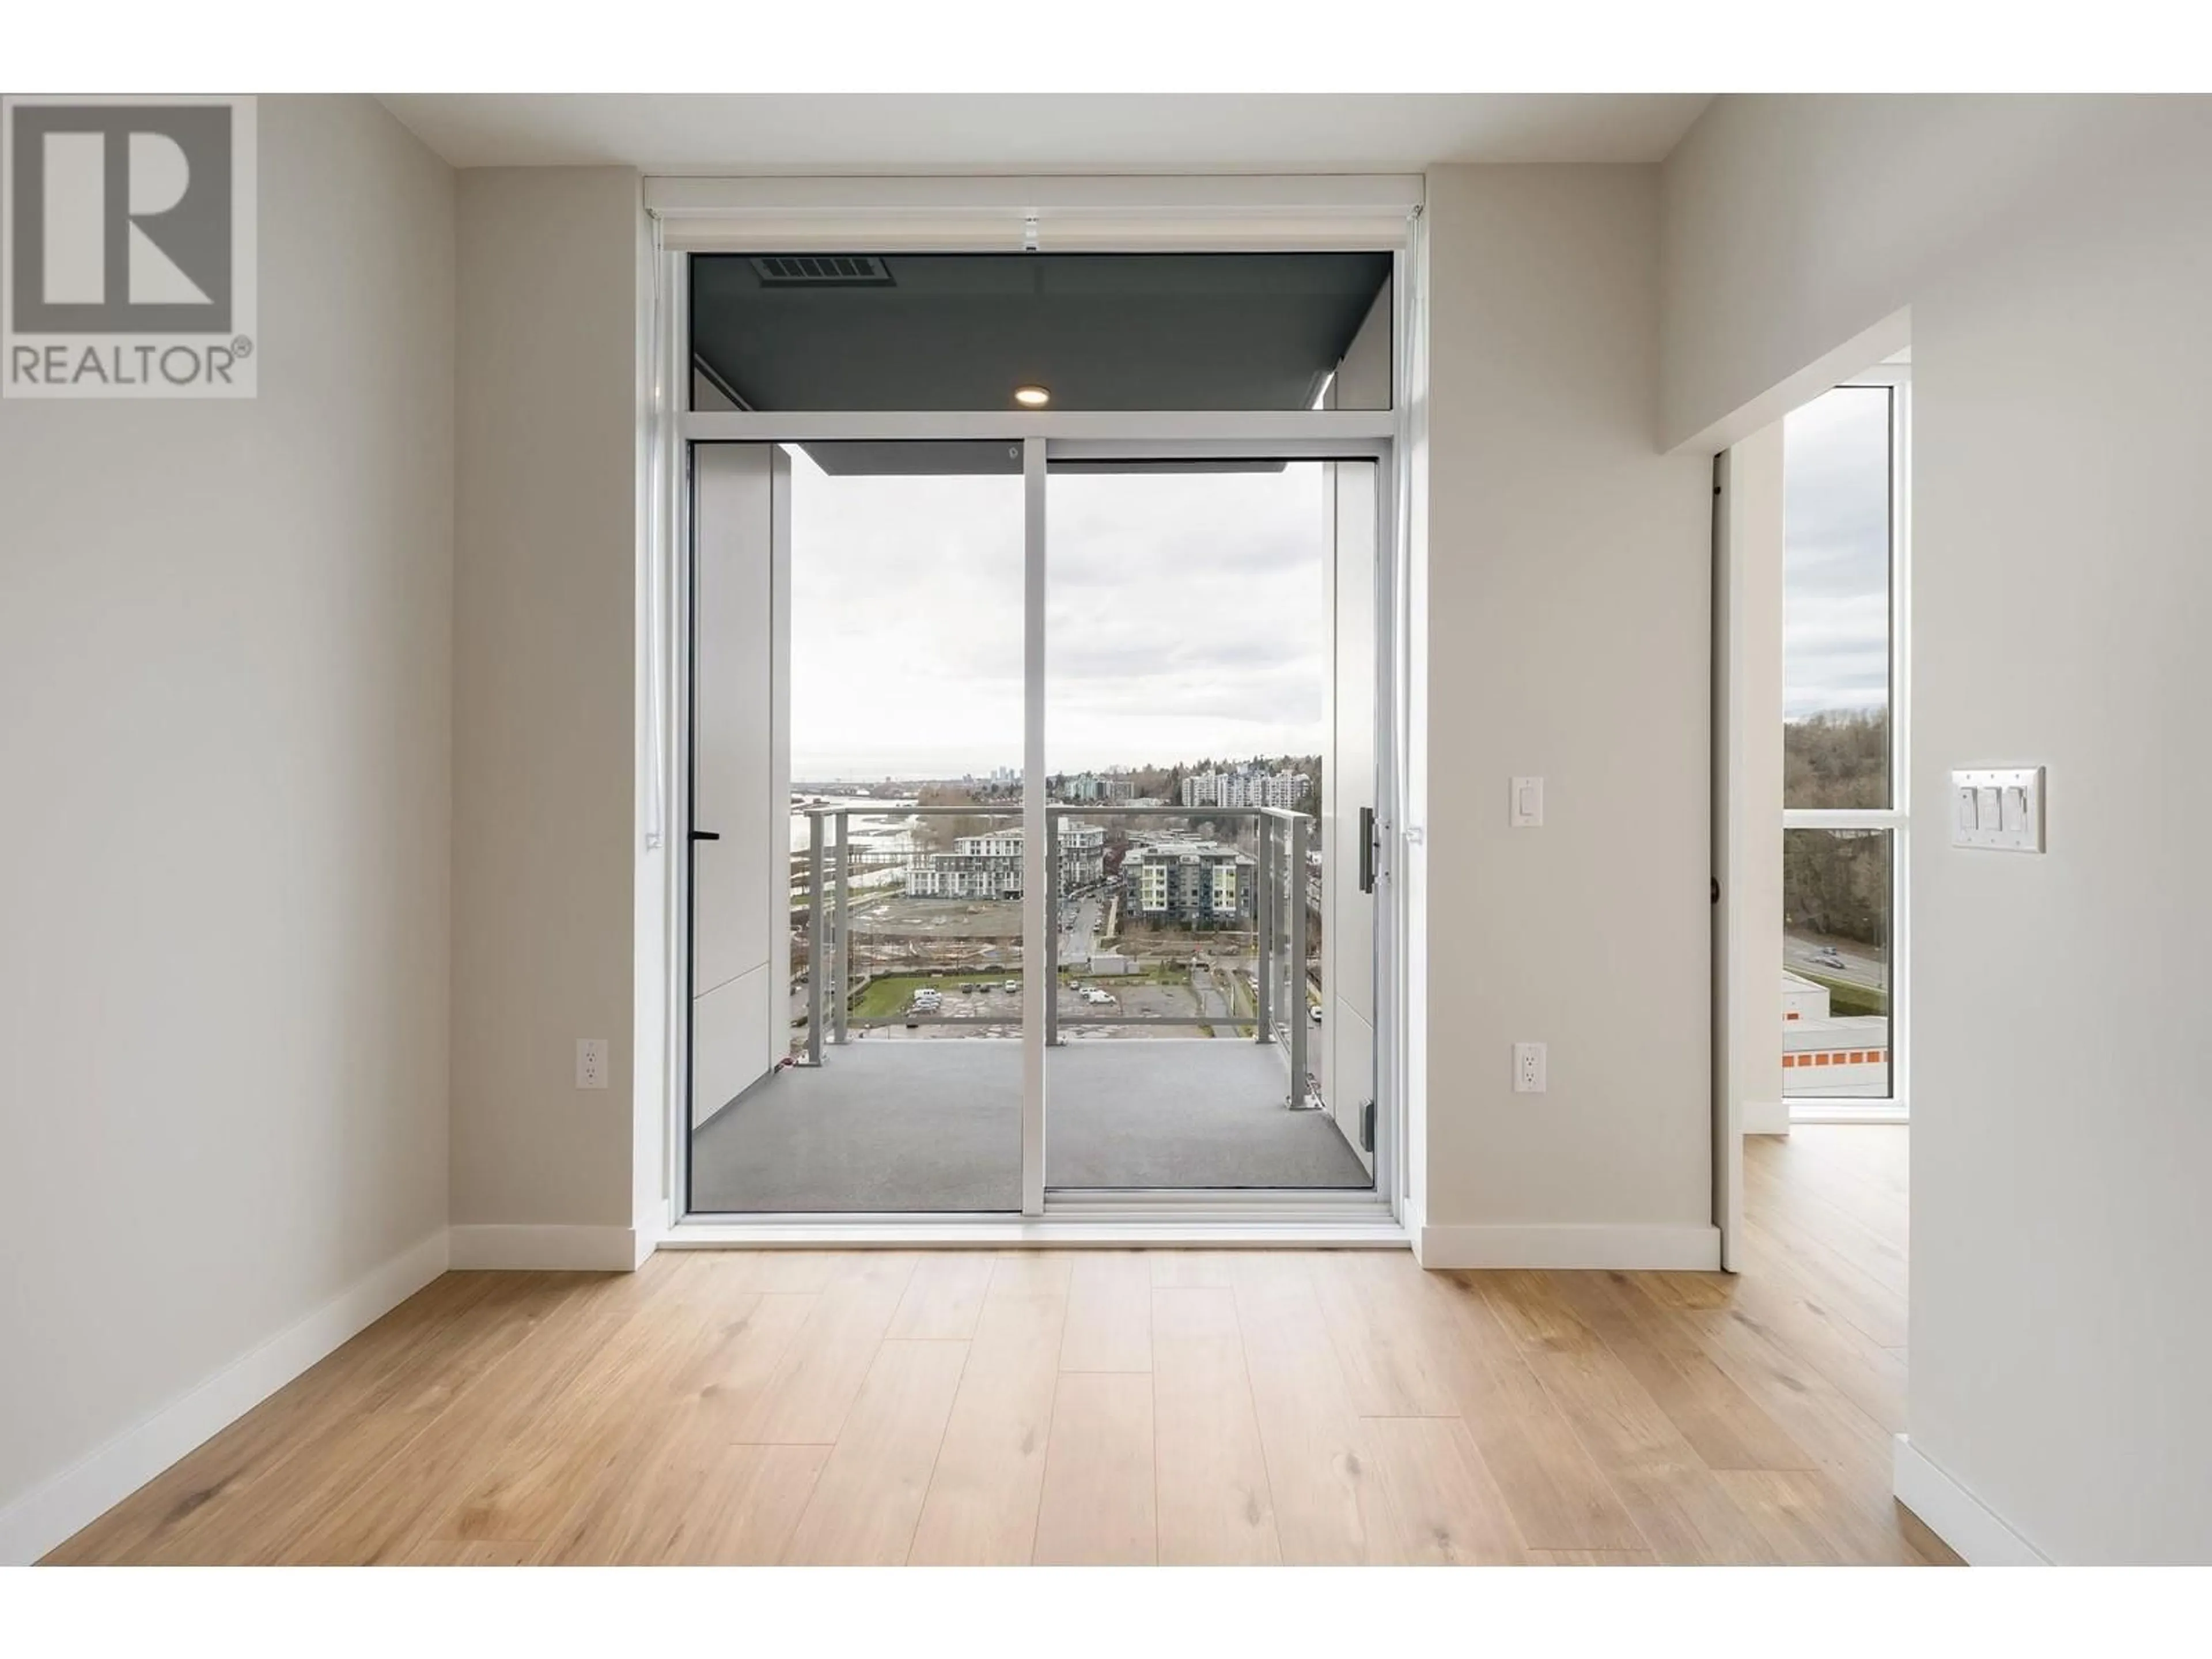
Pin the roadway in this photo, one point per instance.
(1862, 963)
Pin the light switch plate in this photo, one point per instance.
(1527, 805)
(1998, 809)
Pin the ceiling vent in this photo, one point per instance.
(821, 271)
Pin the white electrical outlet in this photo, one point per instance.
(591, 1062)
(1528, 1065)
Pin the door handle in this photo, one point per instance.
(1366, 849)
(706, 835)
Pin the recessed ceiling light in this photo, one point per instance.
(1032, 396)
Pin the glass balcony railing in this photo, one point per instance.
(1197, 921)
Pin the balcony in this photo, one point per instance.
(1181, 1014)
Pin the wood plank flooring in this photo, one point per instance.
(1102, 1406)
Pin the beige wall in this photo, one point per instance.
(545, 718)
(2062, 402)
(225, 708)
(1569, 594)
(1794, 226)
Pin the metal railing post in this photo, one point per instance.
(1295, 1008)
(1263, 978)
(843, 951)
(1051, 861)
(817, 955)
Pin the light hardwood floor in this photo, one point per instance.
(1102, 1406)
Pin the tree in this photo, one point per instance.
(1837, 758)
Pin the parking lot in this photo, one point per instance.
(976, 1004)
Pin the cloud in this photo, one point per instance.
(1185, 617)
(1835, 565)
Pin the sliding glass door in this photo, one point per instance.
(1189, 692)
(1037, 704)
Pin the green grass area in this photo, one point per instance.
(1153, 973)
(1847, 999)
(889, 995)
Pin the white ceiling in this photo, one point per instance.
(865, 134)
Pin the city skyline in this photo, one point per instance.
(1124, 768)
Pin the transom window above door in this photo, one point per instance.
(1111, 331)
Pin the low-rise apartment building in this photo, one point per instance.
(1191, 884)
(1245, 787)
(989, 867)
(1088, 786)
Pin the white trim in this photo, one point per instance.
(1747, 779)
(1258, 449)
(1955, 1515)
(1138, 213)
(670, 554)
(65, 1504)
(553, 1249)
(1135, 213)
(1245, 431)
(1201, 195)
(1045, 1233)
(1764, 1117)
(1038, 922)
(1653, 1248)
(1813, 1108)
(1842, 817)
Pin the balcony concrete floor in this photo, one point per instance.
(889, 1125)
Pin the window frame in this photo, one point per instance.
(686, 217)
(1896, 818)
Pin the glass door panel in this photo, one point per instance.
(1190, 700)
(857, 955)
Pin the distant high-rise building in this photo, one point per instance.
(1245, 788)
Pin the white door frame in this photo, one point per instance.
(1045, 435)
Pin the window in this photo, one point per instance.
(1071, 331)
(1844, 826)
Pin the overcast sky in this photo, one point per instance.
(1186, 613)
(1185, 618)
(1836, 574)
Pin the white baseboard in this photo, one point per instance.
(47, 1514)
(550, 1248)
(1763, 1117)
(1690, 1249)
(1956, 1515)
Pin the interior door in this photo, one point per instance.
(740, 947)
(1346, 1038)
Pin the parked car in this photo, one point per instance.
(1316, 1011)
(1012, 985)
